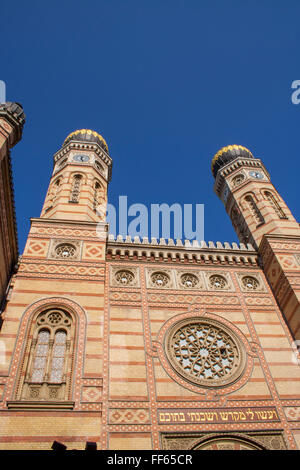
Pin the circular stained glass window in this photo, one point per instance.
(205, 352)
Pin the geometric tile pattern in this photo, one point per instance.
(129, 416)
(91, 394)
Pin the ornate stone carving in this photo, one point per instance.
(251, 440)
(205, 352)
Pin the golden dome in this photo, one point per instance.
(227, 154)
(86, 135)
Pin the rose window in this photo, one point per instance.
(124, 277)
(217, 282)
(205, 352)
(65, 250)
(250, 283)
(189, 280)
(54, 318)
(160, 279)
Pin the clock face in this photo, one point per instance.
(81, 158)
(256, 174)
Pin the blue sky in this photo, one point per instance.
(166, 82)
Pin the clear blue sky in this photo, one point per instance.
(166, 82)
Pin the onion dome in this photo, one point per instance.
(14, 111)
(86, 135)
(228, 154)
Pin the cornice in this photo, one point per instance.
(236, 164)
(99, 151)
(183, 252)
(73, 223)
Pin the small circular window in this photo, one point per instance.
(65, 250)
(124, 277)
(217, 282)
(205, 352)
(250, 283)
(189, 280)
(160, 279)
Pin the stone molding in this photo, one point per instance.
(178, 251)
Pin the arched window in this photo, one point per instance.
(55, 189)
(58, 357)
(50, 356)
(239, 225)
(97, 194)
(75, 192)
(99, 167)
(255, 212)
(40, 356)
(269, 196)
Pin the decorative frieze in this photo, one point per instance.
(181, 252)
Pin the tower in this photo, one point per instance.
(78, 186)
(260, 216)
(12, 119)
(60, 278)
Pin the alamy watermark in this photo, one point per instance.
(2, 92)
(296, 352)
(295, 97)
(176, 221)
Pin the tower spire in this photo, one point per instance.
(81, 173)
(260, 216)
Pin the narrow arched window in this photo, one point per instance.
(269, 196)
(97, 194)
(58, 357)
(55, 190)
(254, 210)
(75, 192)
(40, 356)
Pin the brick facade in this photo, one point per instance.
(128, 383)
